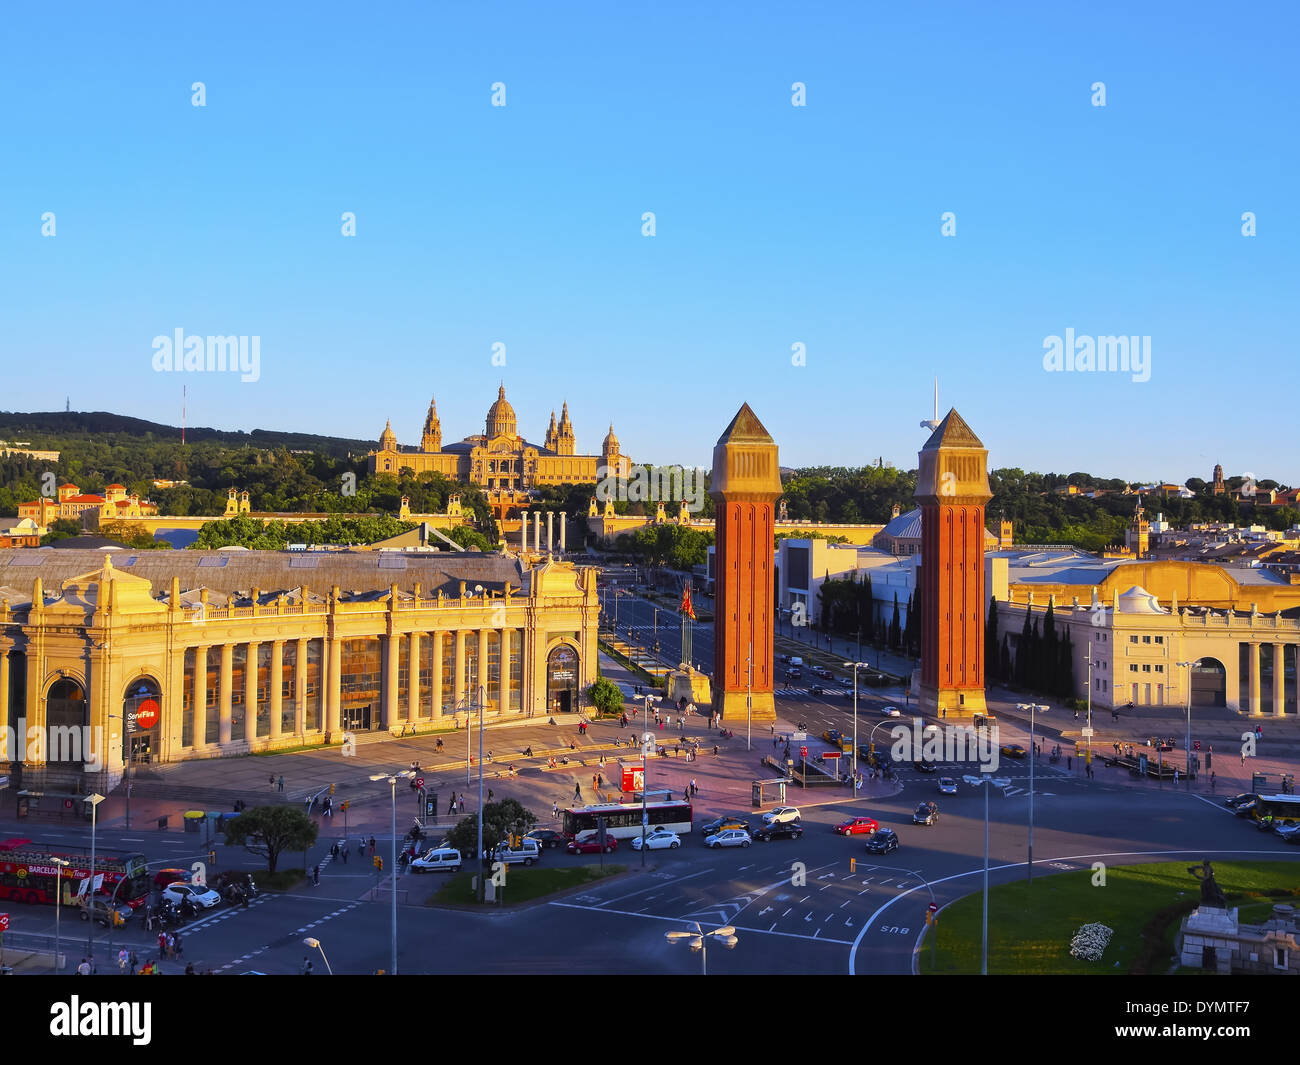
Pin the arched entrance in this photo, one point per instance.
(142, 713)
(562, 680)
(1209, 683)
(66, 716)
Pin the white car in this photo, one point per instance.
(947, 786)
(890, 711)
(782, 815)
(203, 898)
(658, 840)
(436, 859)
(732, 837)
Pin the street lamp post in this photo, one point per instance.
(1187, 736)
(855, 667)
(647, 738)
(59, 865)
(1031, 707)
(315, 943)
(392, 780)
(94, 801)
(129, 775)
(697, 940)
(986, 782)
(482, 701)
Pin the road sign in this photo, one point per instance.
(4, 922)
(419, 782)
(803, 752)
(934, 907)
(1085, 732)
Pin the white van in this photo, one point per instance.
(796, 662)
(528, 853)
(439, 858)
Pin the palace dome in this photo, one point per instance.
(611, 441)
(501, 417)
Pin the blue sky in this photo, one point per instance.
(775, 224)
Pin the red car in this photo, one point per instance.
(591, 844)
(857, 826)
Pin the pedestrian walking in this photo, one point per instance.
(133, 963)
(122, 960)
(171, 946)
(84, 968)
(162, 943)
(1243, 757)
(306, 965)
(489, 794)
(329, 807)
(344, 851)
(451, 805)
(694, 789)
(372, 846)
(1069, 763)
(315, 876)
(555, 809)
(577, 792)
(1175, 776)
(178, 947)
(281, 783)
(273, 780)
(1213, 780)
(462, 802)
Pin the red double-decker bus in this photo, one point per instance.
(28, 873)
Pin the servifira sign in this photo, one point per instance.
(144, 716)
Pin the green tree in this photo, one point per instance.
(267, 831)
(606, 696)
(991, 663)
(499, 820)
(895, 628)
(61, 529)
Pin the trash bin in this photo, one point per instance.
(162, 822)
(193, 818)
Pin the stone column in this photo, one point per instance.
(1279, 680)
(537, 532)
(1254, 678)
(224, 699)
(523, 530)
(199, 697)
(435, 683)
(334, 688)
(393, 653)
(276, 680)
(250, 692)
(19, 741)
(300, 688)
(563, 523)
(458, 678)
(413, 669)
(504, 697)
(482, 665)
(550, 531)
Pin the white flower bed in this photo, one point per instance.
(1089, 942)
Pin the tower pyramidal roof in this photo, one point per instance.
(746, 427)
(951, 432)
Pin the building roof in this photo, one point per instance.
(904, 527)
(745, 427)
(269, 571)
(952, 432)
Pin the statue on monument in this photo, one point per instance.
(1211, 893)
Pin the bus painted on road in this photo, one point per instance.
(623, 819)
(28, 873)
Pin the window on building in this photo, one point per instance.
(1160, 669)
(1146, 639)
(1160, 639)
(1132, 639)
(1146, 668)
(1133, 668)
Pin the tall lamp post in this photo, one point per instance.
(647, 738)
(855, 666)
(697, 940)
(1187, 736)
(127, 755)
(392, 780)
(1031, 707)
(59, 865)
(986, 782)
(94, 801)
(749, 698)
(315, 945)
(482, 700)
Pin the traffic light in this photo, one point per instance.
(331, 789)
(344, 807)
(379, 863)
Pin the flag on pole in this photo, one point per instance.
(687, 609)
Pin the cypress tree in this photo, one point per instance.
(991, 664)
(1004, 662)
(1048, 680)
(1023, 652)
(1035, 666)
(895, 628)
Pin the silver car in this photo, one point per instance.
(731, 837)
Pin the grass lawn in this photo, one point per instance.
(1030, 932)
(524, 883)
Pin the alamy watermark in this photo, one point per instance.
(919, 742)
(1108, 354)
(214, 354)
(644, 484)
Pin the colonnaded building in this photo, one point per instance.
(209, 654)
(499, 458)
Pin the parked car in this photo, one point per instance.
(721, 824)
(782, 815)
(1012, 750)
(105, 911)
(947, 786)
(437, 859)
(926, 813)
(883, 842)
(200, 897)
(779, 830)
(547, 837)
(823, 672)
(793, 673)
(925, 767)
(857, 826)
(660, 839)
(890, 711)
(589, 843)
(834, 736)
(1286, 828)
(731, 837)
(530, 852)
(1246, 809)
(1237, 800)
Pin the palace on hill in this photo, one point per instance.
(499, 458)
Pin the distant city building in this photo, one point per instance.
(19, 447)
(73, 504)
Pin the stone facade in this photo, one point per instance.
(1213, 938)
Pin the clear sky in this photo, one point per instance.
(775, 225)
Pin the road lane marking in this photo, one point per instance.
(678, 920)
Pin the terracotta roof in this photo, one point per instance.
(84, 499)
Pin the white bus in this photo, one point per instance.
(623, 819)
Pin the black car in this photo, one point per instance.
(1246, 809)
(926, 813)
(1236, 801)
(548, 837)
(718, 824)
(779, 830)
(925, 767)
(882, 841)
(816, 689)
